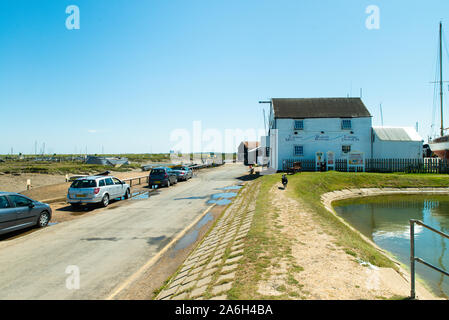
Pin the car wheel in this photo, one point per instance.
(168, 183)
(127, 194)
(43, 220)
(105, 200)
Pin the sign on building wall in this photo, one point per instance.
(356, 161)
(330, 160)
(319, 158)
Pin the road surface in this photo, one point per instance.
(108, 247)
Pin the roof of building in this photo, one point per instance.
(397, 134)
(299, 108)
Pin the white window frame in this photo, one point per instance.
(294, 150)
(294, 124)
(344, 127)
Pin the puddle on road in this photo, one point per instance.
(221, 202)
(231, 188)
(225, 195)
(191, 237)
(140, 196)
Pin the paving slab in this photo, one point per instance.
(204, 281)
(229, 276)
(222, 288)
(231, 267)
(233, 260)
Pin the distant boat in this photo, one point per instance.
(440, 145)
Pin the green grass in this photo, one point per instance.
(265, 244)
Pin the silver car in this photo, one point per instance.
(97, 189)
(18, 212)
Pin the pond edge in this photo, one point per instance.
(329, 197)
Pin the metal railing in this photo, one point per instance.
(412, 254)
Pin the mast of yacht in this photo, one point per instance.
(441, 78)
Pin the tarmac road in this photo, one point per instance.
(107, 247)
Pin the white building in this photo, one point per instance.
(299, 129)
(404, 143)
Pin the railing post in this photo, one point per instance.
(412, 259)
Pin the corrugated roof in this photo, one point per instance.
(319, 108)
(397, 134)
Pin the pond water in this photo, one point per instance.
(385, 220)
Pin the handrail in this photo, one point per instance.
(412, 254)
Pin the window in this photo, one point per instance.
(346, 149)
(268, 151)
(20, 201)
(298, 151)
(101, 183)
(116, 181)
(299, 124)
(109, 182)
(4, 203)
(84, 183)
(346, 124)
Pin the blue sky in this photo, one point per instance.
(136, 70)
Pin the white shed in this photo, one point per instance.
(397, 143)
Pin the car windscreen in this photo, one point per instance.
(84, 184)
(157, 171)
(178, 168)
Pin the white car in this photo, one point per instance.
(97, 189)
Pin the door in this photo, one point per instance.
(119, 187)
(26, 213)
(111, 188)
(8, 215)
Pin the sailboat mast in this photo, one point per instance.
(441, 77)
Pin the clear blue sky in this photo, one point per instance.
(136, 70)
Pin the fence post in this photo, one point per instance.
(412, 259)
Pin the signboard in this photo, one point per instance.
(356, 160)
(330, 160)
(319, 158)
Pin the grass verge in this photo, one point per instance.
(265, 243)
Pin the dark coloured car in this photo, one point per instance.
(183, 172)
(18, 212)
(162, 176)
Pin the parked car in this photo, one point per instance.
(18, 212)
(97, 189)
(183, 172)
(162, 176)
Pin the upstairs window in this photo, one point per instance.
(298, 151)
(299, 124)
(267, 150)
(346, 124)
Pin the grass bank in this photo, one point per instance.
(310, 186)
(266, 249)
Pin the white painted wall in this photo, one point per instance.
(313, 140)
(397, 149)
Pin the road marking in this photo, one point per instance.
(154, 259)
